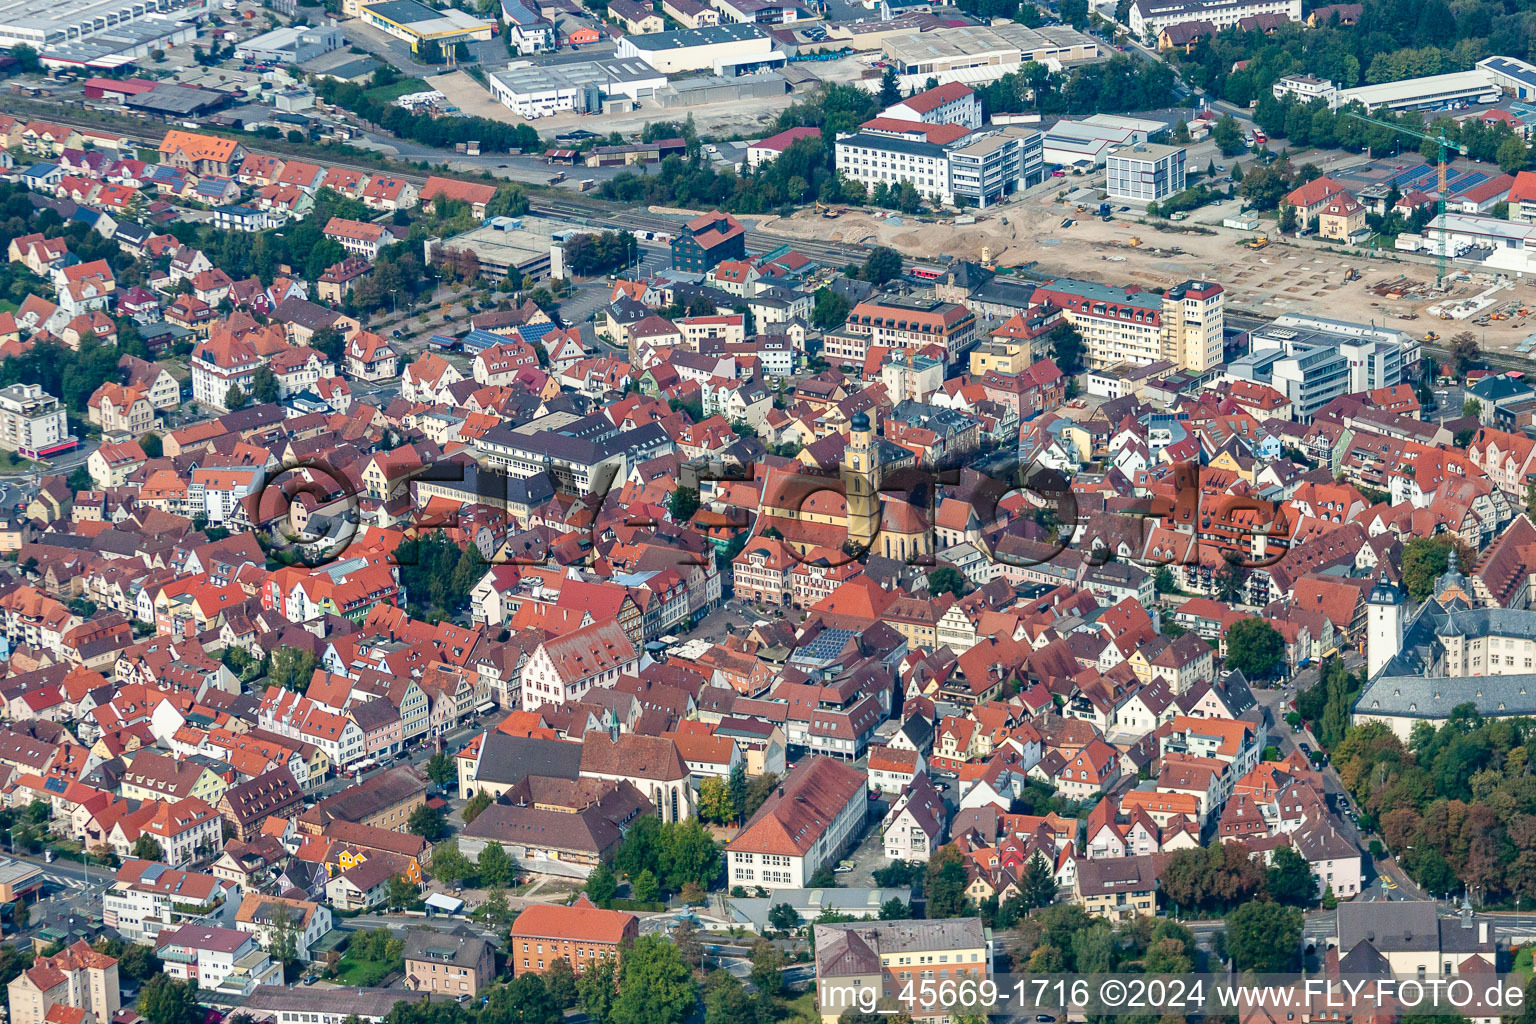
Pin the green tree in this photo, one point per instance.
(1472, 408)
(682, 504)
(946, 579)
(1255, 648)
(441, 770)
(767, 968)
(894, 909)
(1228, 137)
(475, 805)
(1424, 561)
(508, 201)
(1513, 155)
(715, 801)
(234, 398)
(147, 848)
(1038, 886)
(759, 789)
(1231, 583)
(496, 867)
(831, 309)
(655, 986)
(560, 983)
(498, 912)
(1211, 878)
(167, 1000)
(883, 265)
(1164, 581)
(783, 917)
(264, 386)
(1067, 348)
(1465, 352)
(449, 864)
(1290, 879)
(1264, 937)
(282, 941)
(736, 783)
(945, 883)
(598, 988)
(291, 668)
(601, 886)
(890, 90)
(645, 887)
(329, 342)
(690, 945)
(152, 445)
(428, 822)
(79, 479)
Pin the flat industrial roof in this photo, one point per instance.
(1147, 151)
(1510, 67)
(973, 40)
(710, 35)
(538, 77)
(58, 15)
(420, 18)
(1427, 88)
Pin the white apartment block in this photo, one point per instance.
(1306, 88)
(32, 423)
(953, 103)
(1151, 16)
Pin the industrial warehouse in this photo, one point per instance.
(417, 23)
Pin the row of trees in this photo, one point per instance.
(1313, 124)
(1393, 40)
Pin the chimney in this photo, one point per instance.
(1482, 933)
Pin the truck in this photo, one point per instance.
(1104, 211)
(587, 185)
(557, 177)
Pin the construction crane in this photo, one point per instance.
(1443, 144)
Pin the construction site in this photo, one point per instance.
(1263, 276)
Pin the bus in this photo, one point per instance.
(1259, 138)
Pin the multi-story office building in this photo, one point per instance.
(996, 164)
(946, 163)
(1144, 173)
(1312, 360)
(32, 423)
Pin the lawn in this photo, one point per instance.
(390, 93)
(12, 461)
(364, 973)
(802, 1008)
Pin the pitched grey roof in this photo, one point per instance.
(1389, 926)
(459, 947)
(510, 759)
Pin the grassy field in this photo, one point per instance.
(388, 93)
(364, 973)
